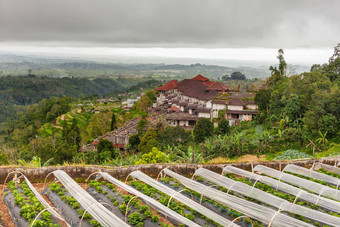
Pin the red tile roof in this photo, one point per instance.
(174, 108)
(95, 143)
(209, 83)
(199, 77)
(195, 89)
(168, 86)
(217, 86)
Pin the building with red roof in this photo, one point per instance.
(168, 86)
(217, 86)
(190, 99)
(201, 78)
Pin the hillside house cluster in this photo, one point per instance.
(118, 137)
(186, 101)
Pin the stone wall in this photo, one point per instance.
(82, 172)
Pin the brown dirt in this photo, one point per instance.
(4, 213)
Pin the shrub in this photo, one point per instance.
(203, 129)
(291, 155)
(148, 141)
(155, 156)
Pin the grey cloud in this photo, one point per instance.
(210, 23)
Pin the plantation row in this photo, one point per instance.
(295, 196)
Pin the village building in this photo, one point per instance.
(119, 137)
(186, 101)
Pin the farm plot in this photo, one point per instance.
(27, 207)
(323, 211)
(235, 198)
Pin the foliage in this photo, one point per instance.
(148, 141)
(291, 155)
(172, 136)
(223, 127)
(155, 156)
(3, 158)
(145, 101)
(135, 218)
(104, 145)
(203, 129)
(113, 122)
(262, 99)
(134, 141)
(237, 76)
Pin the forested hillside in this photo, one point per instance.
(25, 90)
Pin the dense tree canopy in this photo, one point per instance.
(203, 129)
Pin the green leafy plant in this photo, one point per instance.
(135, 218)
(291, 155)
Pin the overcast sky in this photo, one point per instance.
(310, 28)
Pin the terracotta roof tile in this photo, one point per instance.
(217, 86)
(208, 83)
(199, 77)
(174, 109)
(195, 89)
(168, 86)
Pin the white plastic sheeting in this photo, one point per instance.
(44, 202)
(325, 203)
(319, 189)
(312, 174)
(148, 200)
(267, 198)
(181, 198)
(329, 168)
(97, 210)
(253, 210)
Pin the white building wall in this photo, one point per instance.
(205, 115)
(208, 105)
(251, 107)
(219, 106)
(231, 107)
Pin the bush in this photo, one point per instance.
(203, 129)
(148, 141)
(223, 127)
(155, 156)
(291, 155)
(3, 159)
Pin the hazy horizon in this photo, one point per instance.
(240, 32)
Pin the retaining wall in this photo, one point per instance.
(82, 172)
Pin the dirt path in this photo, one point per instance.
(4, 213)
(62, 117)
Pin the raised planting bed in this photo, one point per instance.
(23, 207)
(138, 213)
(174, 205)
(68, 206)
(282, 195)
(216, 207)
